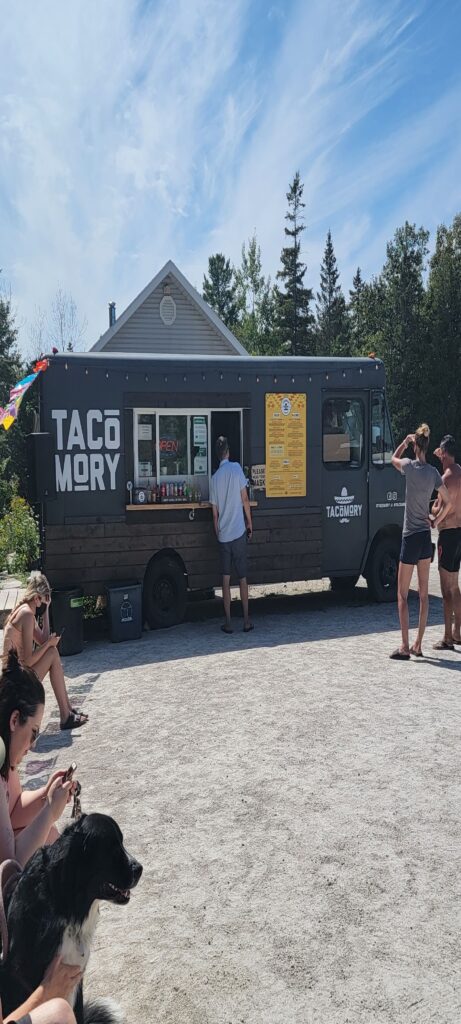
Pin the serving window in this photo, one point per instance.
(174, 447)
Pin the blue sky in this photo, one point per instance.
(136, 132)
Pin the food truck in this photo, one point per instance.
(125, 453)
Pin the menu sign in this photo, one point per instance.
(285, 446)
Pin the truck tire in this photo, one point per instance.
(165, 593)
(382, 570)
(343, 584)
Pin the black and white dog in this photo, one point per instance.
(54, 910)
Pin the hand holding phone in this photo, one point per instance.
(70, 771)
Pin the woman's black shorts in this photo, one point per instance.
(415, 547)
(449, 548)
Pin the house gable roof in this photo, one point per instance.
(170, 270)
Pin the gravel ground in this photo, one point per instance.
(294, 797)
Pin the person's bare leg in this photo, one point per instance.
(404, 580)
(54, 1011)
(244, 599)
(50, 662)
(226, 596)
(423, 583)
(456, 597)
(446, 586)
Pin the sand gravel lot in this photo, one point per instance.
(294, 797)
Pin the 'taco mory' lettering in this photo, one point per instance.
(90, 447)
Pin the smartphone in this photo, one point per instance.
(248, 533)
(70, 771)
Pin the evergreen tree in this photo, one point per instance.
(12, 442)
(219, 289)
(333, 338)
(403, 339)
(357, 321)
(255, 300)
(443, 354)
(293, 317)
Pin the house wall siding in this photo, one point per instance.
(191, 333)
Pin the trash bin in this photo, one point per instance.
(67, 615)
(124, 610)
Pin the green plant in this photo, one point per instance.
(19, 537)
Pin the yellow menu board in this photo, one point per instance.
(285, 446)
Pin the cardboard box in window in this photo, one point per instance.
(336, 448)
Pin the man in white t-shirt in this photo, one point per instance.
(231, 508)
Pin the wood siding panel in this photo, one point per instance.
(284, 547)
(191, 334)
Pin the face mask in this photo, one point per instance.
(41, 609)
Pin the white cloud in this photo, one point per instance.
(131, 133)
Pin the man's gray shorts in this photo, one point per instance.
(234, 551)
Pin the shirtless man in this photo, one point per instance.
(449, 546)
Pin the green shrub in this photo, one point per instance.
(19, 537)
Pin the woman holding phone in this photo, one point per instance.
(37, 647)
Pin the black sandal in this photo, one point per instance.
(399, 655)
(74, 721)
(83, 714)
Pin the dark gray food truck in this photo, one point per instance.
(125, 453)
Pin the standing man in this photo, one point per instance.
(229, 498)
(449, 546)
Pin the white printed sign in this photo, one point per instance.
(344, 508)
(87, 449)
(200, 430)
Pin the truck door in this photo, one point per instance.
(344, 481)
(387, 486)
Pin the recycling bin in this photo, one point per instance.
(67, 619)
(124, 611)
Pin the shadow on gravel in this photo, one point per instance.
(279, 620)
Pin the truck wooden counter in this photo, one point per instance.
(312, 434)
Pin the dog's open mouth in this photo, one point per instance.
(116, 895)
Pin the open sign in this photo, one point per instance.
(169, 445)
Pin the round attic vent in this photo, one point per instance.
(168, 310)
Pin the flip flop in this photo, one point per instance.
(73, 721)
(247, 629)
(75, 711)
(416, 654)
(399, 655)
(227, 629)
(442, 645)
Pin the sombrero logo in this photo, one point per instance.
(344, 508)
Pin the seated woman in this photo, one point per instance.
(48, 1004)
(27, 819)
(23, 633)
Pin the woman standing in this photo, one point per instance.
(421, 480)
(37, 646)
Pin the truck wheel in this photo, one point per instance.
(383, 570)
(165, 593)
(342, 584)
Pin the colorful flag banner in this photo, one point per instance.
(10, 412)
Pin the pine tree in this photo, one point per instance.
(443, 352)
(12, 443)
(403, 340)
(293, 317)
(219, 289)
(255, 300)
(332, 331)
(357, 322)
